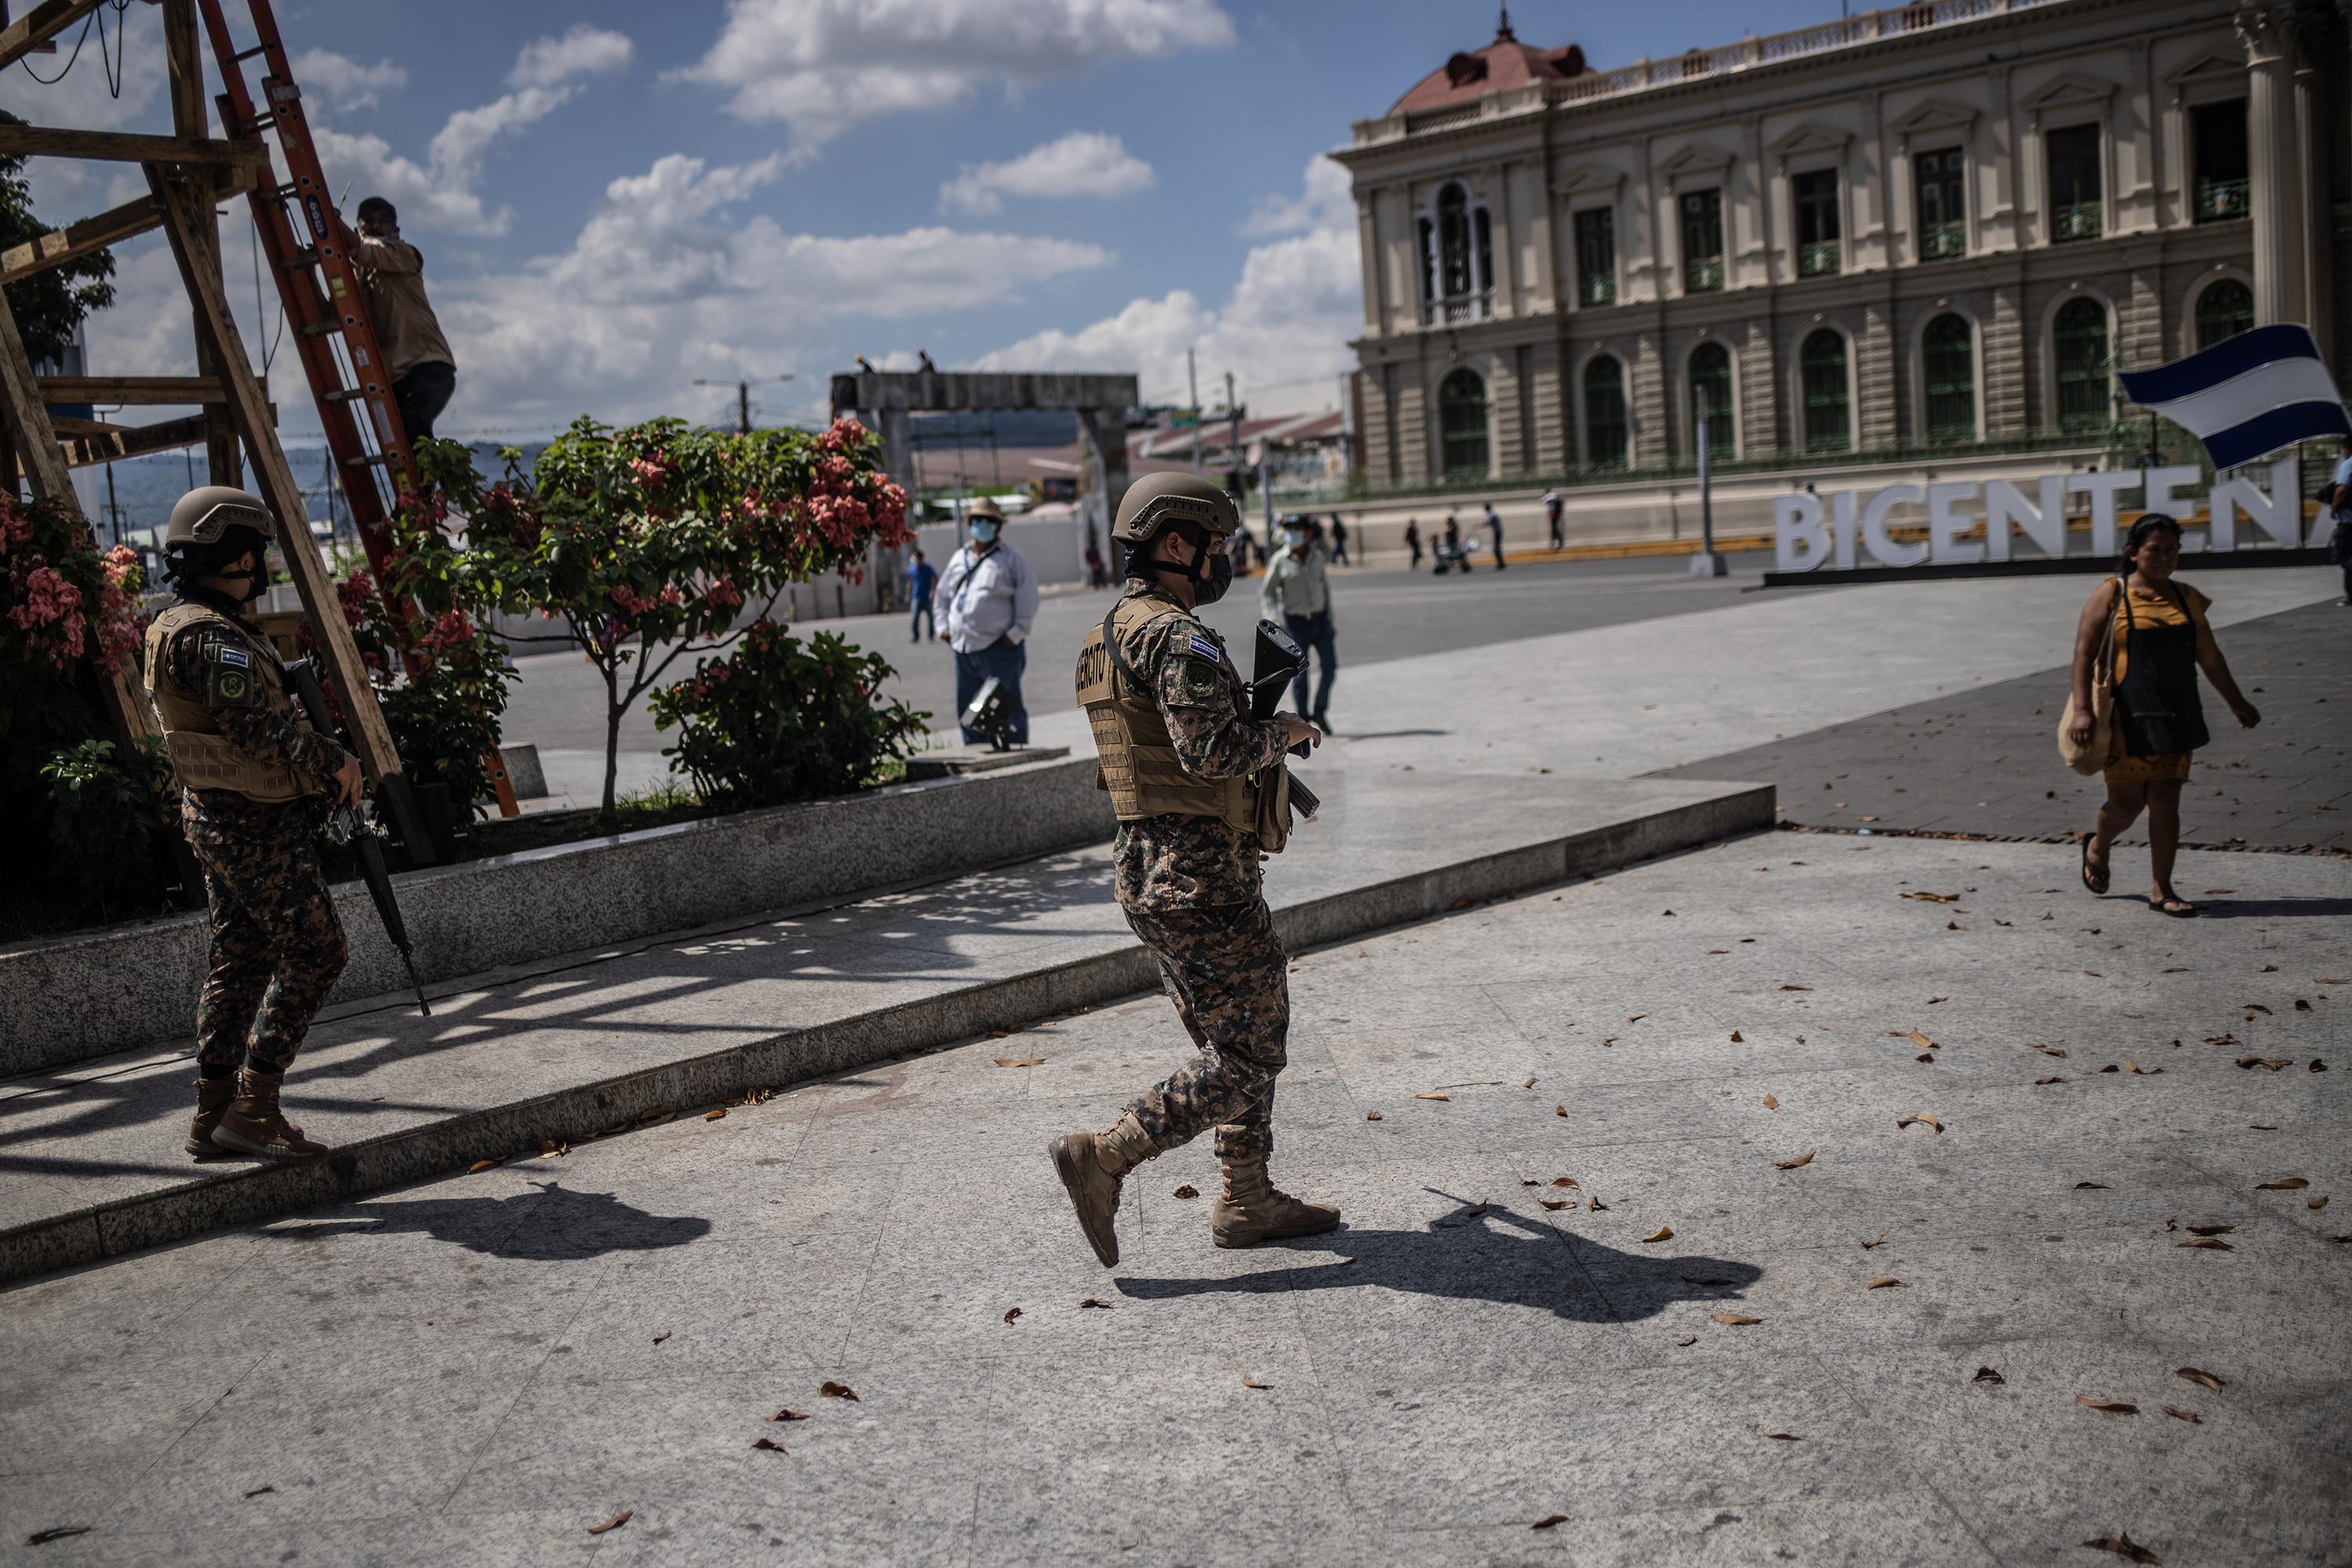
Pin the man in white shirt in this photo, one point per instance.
(986, 601)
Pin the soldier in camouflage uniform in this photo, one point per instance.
(252, 771)
(1201, 794)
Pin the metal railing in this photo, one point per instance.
(2219, 200)
(1943, 241)
(1455, 308)
(2083, 221)
(1597, 289)
(1703, 275)
(1817, 259)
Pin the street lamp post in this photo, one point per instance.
(1707, 563)
(743, 396)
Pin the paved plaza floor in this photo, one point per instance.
(1664, 1227)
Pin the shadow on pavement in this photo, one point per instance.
(2250, 909)
(551, 1226)
(1584, 1280)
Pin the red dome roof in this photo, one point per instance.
(1501, 65)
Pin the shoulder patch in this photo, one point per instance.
(228, 653)
(1198, 683)
(1203, 646)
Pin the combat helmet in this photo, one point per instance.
(205, 514)
(1156, 500)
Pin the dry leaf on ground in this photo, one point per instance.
(770, 1444)
(1020, 1061)
(2052, 1052)
(2210, 1243)
(2211, 1229)
(2273, 1063)
(714, 1113)
(2094, 1186)
(1987, 1374)
(1770, 1103)
(1664, 1233)
(1736, 1320)
(1375, 1116)
(1796, 988)
(1593, 1203)
(1902, 1122)
(1804, 1159)
(2106, 1406)
(2283, 1184)
(1548, 1521)
(478, 1166)
(1883, 1281)
(1559, 1111)
(1558, 1202)
(1249, 1381)
(1688, 1340)
(1530, 1083)
(1011, 1314)
(2201, 1379)
(61, 1532)
(2122, 1545)
(1563, 1180)
(2318, 1202)
(1880, 1242)
(840, 1391)
(614, 1523)
(663, 1335)
(789, 1415)
(2178, 1414)
(1187, 1191)
(2044, 1082)
(1783, 1437)
(1736, 1038)
(1095, 1301)
(1433, 1094)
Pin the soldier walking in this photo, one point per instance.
(251, 770)
(1199, 791)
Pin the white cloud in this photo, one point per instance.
(822, 66)
(1290, 317)
(1082, 163)
(662, 284)
(1325, 202)
(342, 84)
(583, 51)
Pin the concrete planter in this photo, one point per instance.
(71, 998)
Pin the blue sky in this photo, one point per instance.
(610, 209)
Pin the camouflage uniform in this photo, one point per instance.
(277, 945)
(1192, 890)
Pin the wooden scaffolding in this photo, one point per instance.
(188, 173)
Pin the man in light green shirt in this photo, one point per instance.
(1296, 594)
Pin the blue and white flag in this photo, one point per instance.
(2248, 395)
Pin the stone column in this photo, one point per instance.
(2274, 167)
(1368, 243)
(1998, 229)
(1102, 437)
(2312, 148)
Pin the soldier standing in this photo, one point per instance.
(1199, 789)
(250, 768)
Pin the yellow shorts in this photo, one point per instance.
(2164, 765)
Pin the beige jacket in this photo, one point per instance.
(392, 280)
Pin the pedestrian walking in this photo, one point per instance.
(2162, 638)
(1096, 577)
(251, 770)
(1413, 540)
(922, 581)
(1452, 543)
(1495, 533)
(1551, 519)
(1197, 786)
(987, 599)
(1296, 596)
(2337, 500)
(1339, 540)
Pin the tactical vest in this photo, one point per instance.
(1139, 759)
(201, 756)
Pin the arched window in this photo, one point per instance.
(1457, 258)
(1829, 414)
(1604, 412)
(2223, 311)
(1462, 424)
(2079, 336)
(1710, 379)
(1948, 349)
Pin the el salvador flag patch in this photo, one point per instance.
(235, 656)
(1206, 648)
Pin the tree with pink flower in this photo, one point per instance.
(648, 543)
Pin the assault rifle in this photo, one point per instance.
(345, 825)
(1279, 658)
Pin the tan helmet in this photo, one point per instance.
(1156, 500)
(202, 515)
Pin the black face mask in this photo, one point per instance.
(1211, 573)
(257, 581)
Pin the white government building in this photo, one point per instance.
(1924, 232)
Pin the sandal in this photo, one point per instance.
(2166, 906)
(2096, 881)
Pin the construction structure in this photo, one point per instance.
(887, 401)
(188, 173)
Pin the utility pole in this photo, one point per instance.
(1234, 414)
(1707, 563)
(743, 396)
(1193, 375)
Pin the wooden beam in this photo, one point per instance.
(188, 215)
(39, 25)
(80, 239)
(146, 390)
(37, 448)
(127, 147)
(116, 442)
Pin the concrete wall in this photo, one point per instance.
(73, 998)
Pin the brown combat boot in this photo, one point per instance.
(213, 1095)
(1092, 1165)
(254, 1125)
(1251, 1209)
